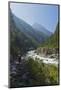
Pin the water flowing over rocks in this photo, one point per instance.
(46, 58)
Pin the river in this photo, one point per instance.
(46, 59)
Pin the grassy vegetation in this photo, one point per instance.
(34, 73)
(42, 74)
(53, 73)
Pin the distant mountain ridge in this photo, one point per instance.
(29, 31)
(40, 28)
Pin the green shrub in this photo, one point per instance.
(42, 74)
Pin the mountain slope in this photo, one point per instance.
(29, 31)
(53, 41)
(41, 29)
(19, 42)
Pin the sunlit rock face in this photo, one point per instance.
(46, 51)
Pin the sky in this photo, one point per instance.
(46, 15)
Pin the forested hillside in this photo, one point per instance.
(53, 41)
(19, 42)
